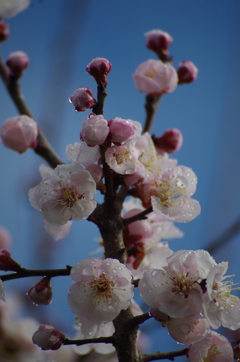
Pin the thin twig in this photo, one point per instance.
(43, 148)
(139, 319)
(151, 106)
(25, 273)
(80, 342)
(140, 216)
(226, 236)
(164, 355)
(101, 95)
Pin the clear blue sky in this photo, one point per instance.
(61, 37)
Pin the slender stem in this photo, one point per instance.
(164, 355)
(151, 106)
(25, 273)
(226, 236)
(140, 216)
(101, 95)
(139, 319)
(80, 342)
(43, 148)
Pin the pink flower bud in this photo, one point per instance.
(187, 72)
(82, 99)
(5, 238)
(94, 130)
(123, 129)
(17, 62)
(158, 41)
(4, 31)
(171, 141)
(7, 263)
(18, 133)
(48, 337)
(155, 77)
(41, 293)
(99, 68)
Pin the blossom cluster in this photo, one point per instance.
(186, 290)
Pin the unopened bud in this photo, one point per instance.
(94, 130)
(171, 141)
(18, 133)
(7, 263)
(158, 41)
(4, 31)
(41, 293)
(82, 99)
(5, 238)
(187, 72)
(99, 68)
(17, 62)
(48, 337)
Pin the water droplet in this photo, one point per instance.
(114, 271)
(155, 272)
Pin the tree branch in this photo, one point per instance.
(226, 236)
(101, 95)
(25, 273)
(164, 355)
(43, 148)
(151, 106)
(80, 342)
(140, 216)
(139, 319)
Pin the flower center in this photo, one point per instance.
(182, 284)
(151, 73)
(69, 196)
(212, 353)
(122, 157)
(170, 194)
(102, 288)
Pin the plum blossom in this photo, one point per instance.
(66, 194)
(158, 41)
(175, 289)
(9, 8)
(99, 68)
(18, 133)
(187, 72)
(171, 141)
(154, 77)
(4, 31)
(56, 231)
(94, 130)
(187, 330)
(124, 129)
(82, 153)
(5, 238)
(82, 99)
(172, 197)
(17, 62)
(213, 347)
(48, 337)
(101, 289)
(220, 307)
(122, 159)
(41, 293)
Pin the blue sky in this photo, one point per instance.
(61, 37)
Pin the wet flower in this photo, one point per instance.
(101, 289)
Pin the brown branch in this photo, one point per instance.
(226, 236)
(101, 95)
(80, 342)
(151, 106)
(164, 355)
(43, 148)
(139, 319)
(135, 282)
(25, 273)
(140, 216)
